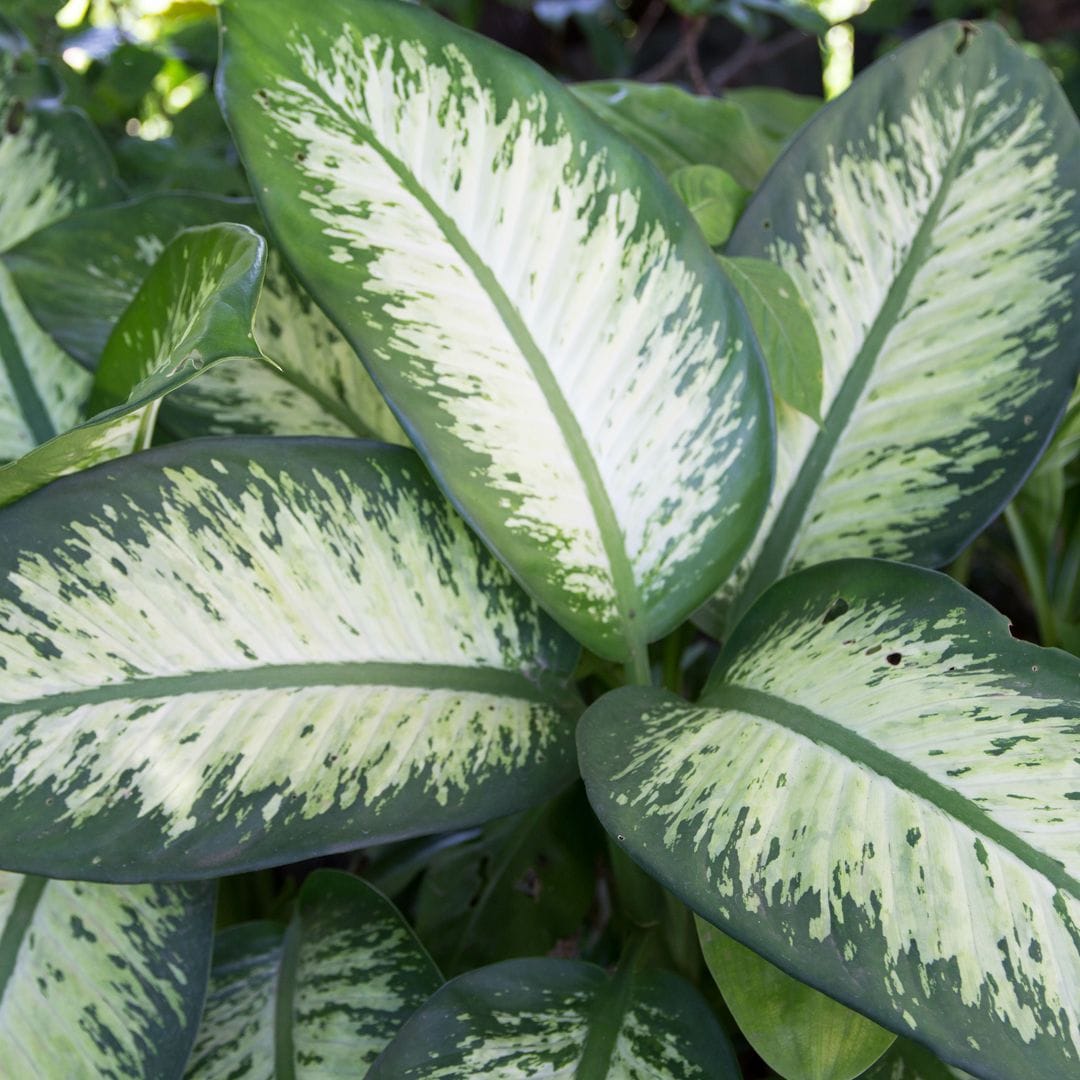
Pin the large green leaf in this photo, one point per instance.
(230, 653)
(561, 1019)
(676, 129)
(909, 1061)
(525, 883)
(79, 275)
(795, 1029)
(100, 980)
(530, 297)
(877, 792)
(194, 310)
(930, 218)
(319, 999)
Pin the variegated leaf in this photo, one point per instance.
(100, 980)
(42, 390)
(320, 999)
(52, 161)
(194, 310)
(562, 1020)
(930, 217)
(877, 792)
(909, 1061)
(931, 220)
(533, 301)
(78, 276)
(230, 653)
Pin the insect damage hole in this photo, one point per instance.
(893, 658)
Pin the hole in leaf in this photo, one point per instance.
(838, 608)
(893, 658)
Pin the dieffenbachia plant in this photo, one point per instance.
(648, 352)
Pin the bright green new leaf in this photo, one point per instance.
(100, 980)
(675, 129)
(231, 653)
(796, 1030)
(930, 218)
(560, 1019)
(910, 1061)
(877, 792)
(714, 198)
(530, 297)
(517, 889)
(78, 276)
(774, 113)
(318, 999)
(194, 310)
(785, 330)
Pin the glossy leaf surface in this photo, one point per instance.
(318, 999)
(329, 659)
(784, 329)
(562, 1019)
(877, 793)
(100, 980)
(930, 218)
(78, 276)
(797, 1030)
(194, 310)
(530, 297)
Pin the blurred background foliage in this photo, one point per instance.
(143, 69)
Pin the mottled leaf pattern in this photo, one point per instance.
(563, 1020)
(229, 653)
(531, 299)
(79, 275)
(320, 999)
(194, 310)
(100, 980)
(931, 220)
(877, 792)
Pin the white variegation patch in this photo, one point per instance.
(103, 980)
(343, 980)
(323, 645)
(936, 243)
(527, 309)
(895, 781)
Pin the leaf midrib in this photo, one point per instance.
(906, 776)
(478, 680)
(628, 598)
(772, 560)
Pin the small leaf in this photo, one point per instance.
(255, 651)
(100, 980)
(785, 330)
(797, 1030)
(713, 197)
(321, 998)
(560, 1018)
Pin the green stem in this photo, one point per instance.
(638, 671)
(1036, 580)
